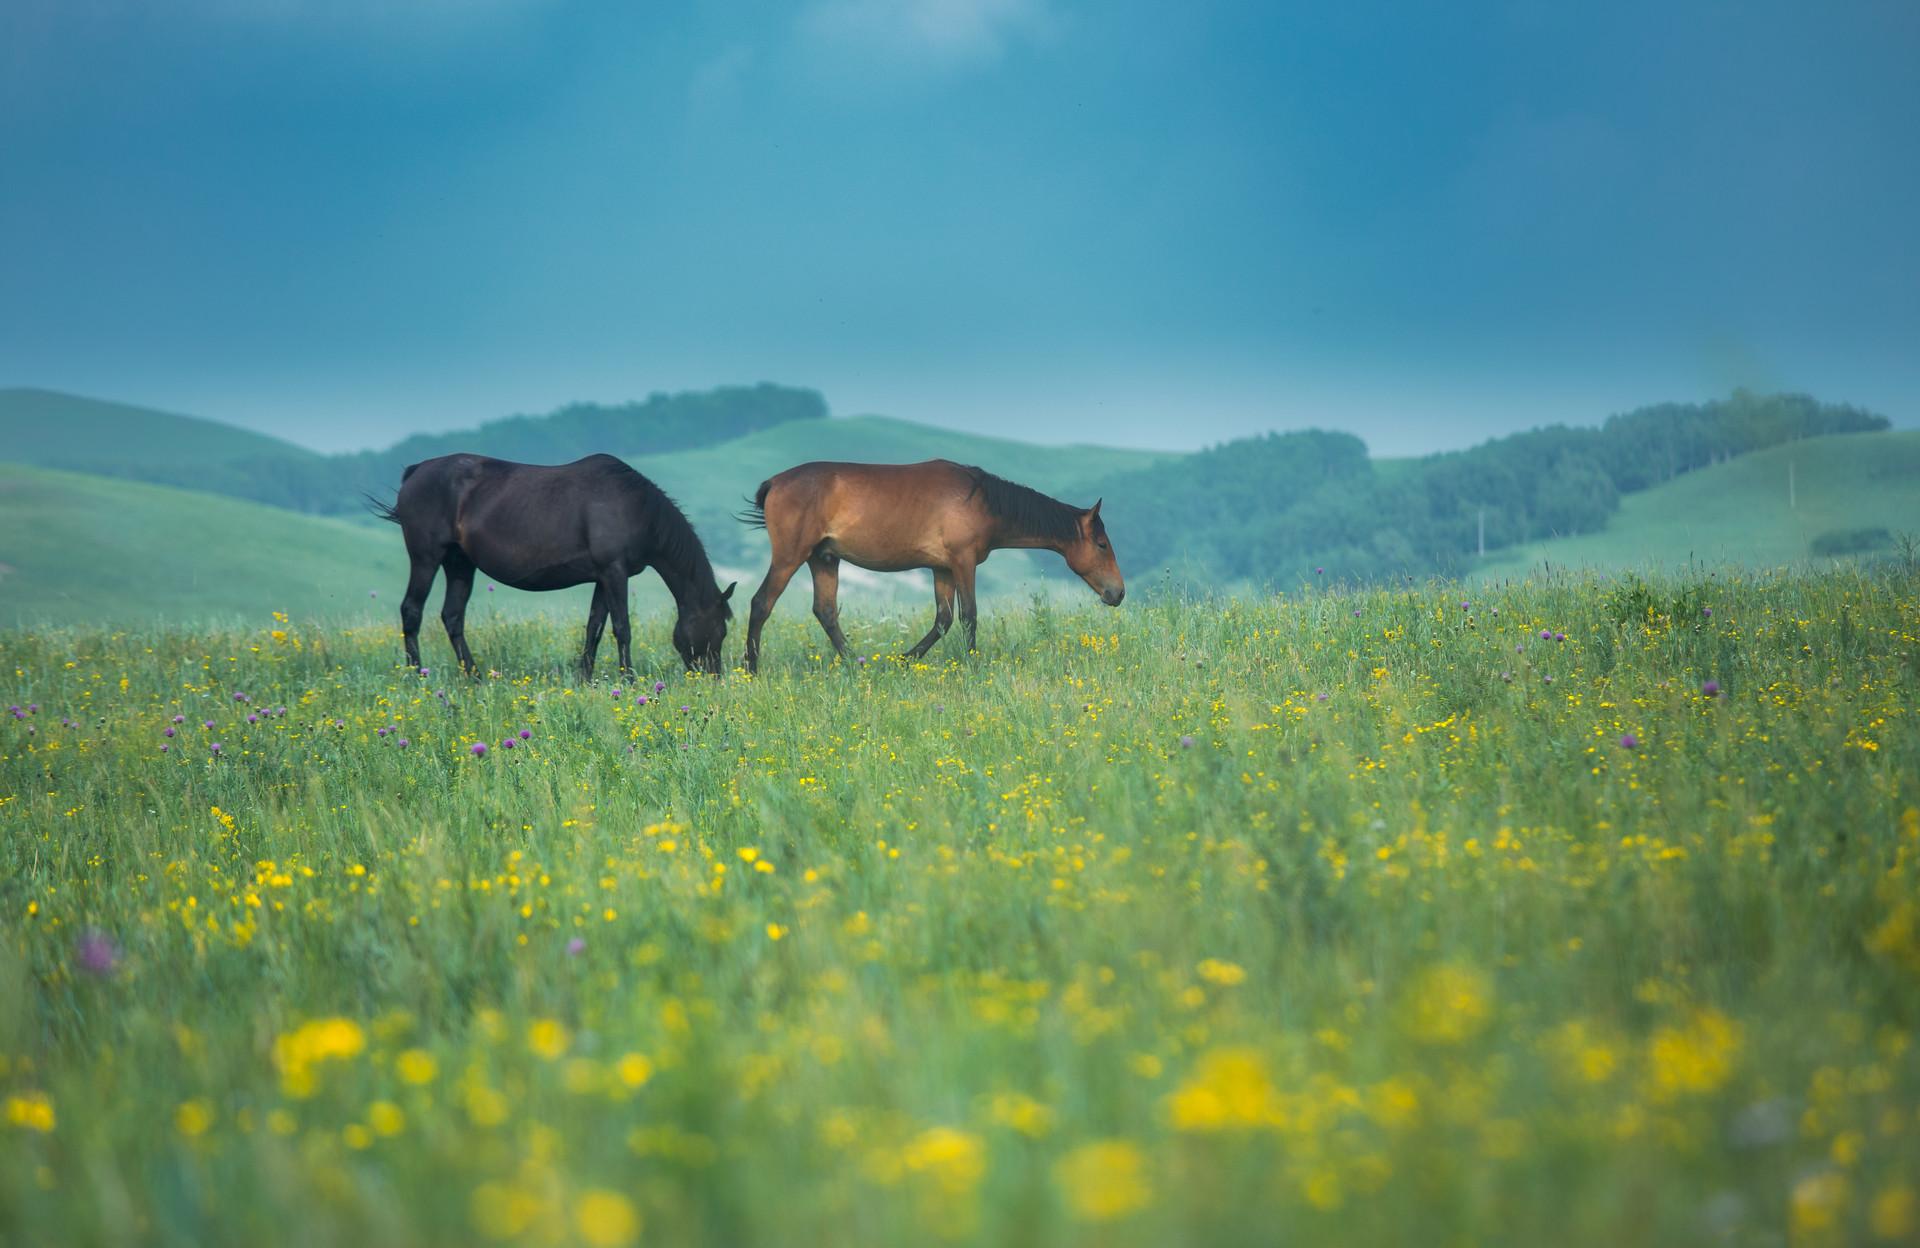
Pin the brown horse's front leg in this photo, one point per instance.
(942, 612)
(969, 613)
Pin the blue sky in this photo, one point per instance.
(1143, 223)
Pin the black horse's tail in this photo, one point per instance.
(386, 510)
(755, 514)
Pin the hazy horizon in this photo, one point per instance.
(339, 224)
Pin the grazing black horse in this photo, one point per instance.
(532, 526)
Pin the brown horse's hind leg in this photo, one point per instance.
(942, 612)
(778, 574)
(596, 622)
(453, 608)
(826, 598)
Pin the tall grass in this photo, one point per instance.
(1337, 917)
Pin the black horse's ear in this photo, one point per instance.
(728, 591)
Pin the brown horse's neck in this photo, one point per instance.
(1006, 539)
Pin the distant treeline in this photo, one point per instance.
(1272, 509)
(661, 422)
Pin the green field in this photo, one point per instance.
(1332, 919)
(67, 431)
(1738, 512)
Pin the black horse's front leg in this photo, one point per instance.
(596, 622)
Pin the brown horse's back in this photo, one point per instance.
(887, 517)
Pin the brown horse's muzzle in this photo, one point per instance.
(1113, 596)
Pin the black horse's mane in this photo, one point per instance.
(674, 541)
(1025, 508)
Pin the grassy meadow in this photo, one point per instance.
(1571, 910)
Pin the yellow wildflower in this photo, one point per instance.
(1104, 1180)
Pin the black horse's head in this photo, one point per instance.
(700, 632)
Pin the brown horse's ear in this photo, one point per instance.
(1093, 512)
(728, 591)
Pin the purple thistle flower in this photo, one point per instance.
(164, 747)
(1323, 697)
(253, 719)
(1628, 741)
(95, 953)
(641, 700)
(33, 708)
(426, 671)
(403, 743)
(1319, 571)
(659, 686)
(1546, 680)
(489, 589)
(479, 749)
(239, 697)
(507, 743)
(1546, 634)
(209, 725)
(215, 747)
(1559, 636)
(339, 723)
(1711, 688)
(616, 693)
(1706, 612)
(178, 719)
(169, 730)
(1463, 606)
(1186, 743)
(576, 947)
(1356, 613)
(380, 732)
(526, 734)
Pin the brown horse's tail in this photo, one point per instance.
(755, 514)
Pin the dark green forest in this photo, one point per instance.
(1273, 509)
(335, 484)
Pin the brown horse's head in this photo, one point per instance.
(700, 631)
(1091, 558)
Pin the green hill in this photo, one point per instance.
(1738, 512)
(81, 547)
(93, 435)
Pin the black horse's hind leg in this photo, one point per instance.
(596, 623)
(942, 613)
(453, 608)
(826, 598)
(614, 591)
(419, 583)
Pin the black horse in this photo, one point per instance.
(532, 526)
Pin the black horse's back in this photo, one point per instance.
(595, 521)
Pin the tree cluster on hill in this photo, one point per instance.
(1272, 509)
(661, 422)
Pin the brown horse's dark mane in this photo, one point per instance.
(1024, 508)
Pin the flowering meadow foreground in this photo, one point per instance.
(1577, 912)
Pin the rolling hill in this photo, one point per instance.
(1738, 512)
(57, 430)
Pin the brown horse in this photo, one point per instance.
(533, 526)
(892, 517)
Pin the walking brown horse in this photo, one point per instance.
(891, 517)
(532, 526)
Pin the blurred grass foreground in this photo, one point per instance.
(1583, 911)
